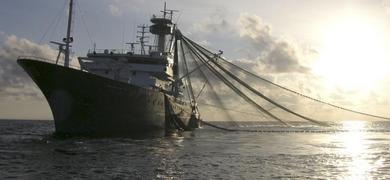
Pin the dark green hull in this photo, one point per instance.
(85, 103)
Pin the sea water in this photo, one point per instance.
(347, 150)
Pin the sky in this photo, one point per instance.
(335, 50)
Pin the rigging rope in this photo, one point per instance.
(262, 95)
(192, 96)
(292, 91)
(187, 89)
(201, 90)
(213, 91)
(85, 24)
(56, 20)
(228, 109)
(218, 127)
(230, 85)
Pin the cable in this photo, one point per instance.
(263, 96)
(233, 110)
(297, 93)
(213, 91)
(83, 21)
(192, 96)
(201, 90)
(58, 16)
(231, 86)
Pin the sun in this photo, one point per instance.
(353, 54)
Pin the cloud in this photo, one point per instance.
(114, 10)
(282, 58)
(254, 29)
(386, 5)
(14, 82)
(279, 59)
(278, 56)
(270, 57)
(215, 23)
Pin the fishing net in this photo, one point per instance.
(225, 91)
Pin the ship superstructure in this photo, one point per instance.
(152, 66)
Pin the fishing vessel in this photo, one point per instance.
(117, 92)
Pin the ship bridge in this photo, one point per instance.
(142, 64)
(145, 70)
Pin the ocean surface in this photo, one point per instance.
(348, 150)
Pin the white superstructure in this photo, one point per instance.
(149, 71)
(153, 66)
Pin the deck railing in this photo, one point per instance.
(108, 51)
(51, 61)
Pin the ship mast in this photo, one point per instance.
(161, 27)
(142, 38)
(68, 39)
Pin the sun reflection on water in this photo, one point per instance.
(353, 138)
(355, 148)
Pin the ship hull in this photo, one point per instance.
(85, 103)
